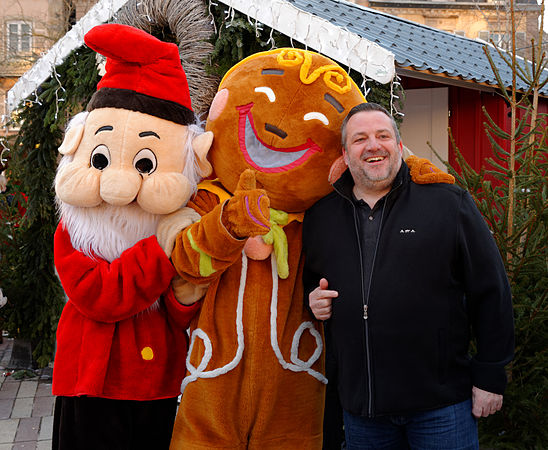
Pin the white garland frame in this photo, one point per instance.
(339, 44)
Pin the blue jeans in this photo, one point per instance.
(449, 428)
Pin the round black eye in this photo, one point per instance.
(100, 157)
(145, 161)
(144, 165)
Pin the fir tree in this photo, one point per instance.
(35, 297)
(511, 192)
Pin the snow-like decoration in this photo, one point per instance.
(339, 44)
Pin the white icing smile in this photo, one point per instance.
(266, 158)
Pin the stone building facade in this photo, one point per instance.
(476, 19)
(28, 29)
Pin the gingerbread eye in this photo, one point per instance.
(316, 116)
(145, 161)
(100, 157)
(268, 92)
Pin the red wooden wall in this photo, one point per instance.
(466, 119)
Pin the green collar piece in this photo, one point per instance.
(276, 236)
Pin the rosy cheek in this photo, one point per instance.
(218, 104)
(78, 185)
(163, 193)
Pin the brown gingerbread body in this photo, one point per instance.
(255, 367)
(250, 318)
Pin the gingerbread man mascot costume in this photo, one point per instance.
(135, 156)
(255, 368)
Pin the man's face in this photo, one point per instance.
(372, 152)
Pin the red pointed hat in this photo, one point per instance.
(142, 74)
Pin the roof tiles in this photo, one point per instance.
(414, 45)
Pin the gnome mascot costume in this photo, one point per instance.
(133, 157)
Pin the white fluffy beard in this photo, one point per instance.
(106, 230)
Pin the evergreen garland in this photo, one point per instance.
(238, 37)
(35, 296)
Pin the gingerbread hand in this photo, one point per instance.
(247, 213)
(424, 172)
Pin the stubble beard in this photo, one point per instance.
(373, 180)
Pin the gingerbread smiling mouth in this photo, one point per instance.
(264, 157)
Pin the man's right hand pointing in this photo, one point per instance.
(320, 300)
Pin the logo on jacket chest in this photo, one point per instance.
(407, 230)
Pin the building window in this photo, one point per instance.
(19, 37)
(460, 33)
(484, 36)
(498, 38)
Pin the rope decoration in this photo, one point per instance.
(189, 22)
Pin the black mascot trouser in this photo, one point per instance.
(82, 423)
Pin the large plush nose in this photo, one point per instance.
(119, 187)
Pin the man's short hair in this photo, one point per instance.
(368, 107)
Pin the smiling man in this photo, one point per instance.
(372, 151)
(406, 271)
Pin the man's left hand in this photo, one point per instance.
(485, 403)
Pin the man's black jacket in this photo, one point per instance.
(437, 275)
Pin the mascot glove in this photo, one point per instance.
(247, 213)
(424, 172)
(170, 225)
(186, 292)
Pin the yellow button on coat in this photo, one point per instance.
(147, 353)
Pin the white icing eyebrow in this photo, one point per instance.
(269, 93)
(317, 116)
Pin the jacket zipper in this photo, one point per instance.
(365, 308)
(366, 301)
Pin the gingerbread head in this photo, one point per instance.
(279, 113)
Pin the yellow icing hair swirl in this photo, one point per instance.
(333, 76)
